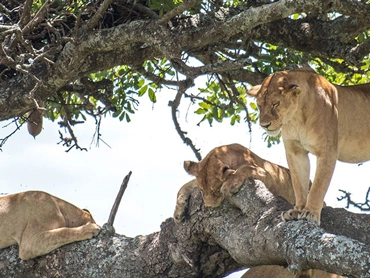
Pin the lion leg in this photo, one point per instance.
(299, 165)
(315, 200)
(41, 243)
(304, 274)
(236, 180)
(182, 200)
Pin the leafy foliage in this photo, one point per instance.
(35, 34)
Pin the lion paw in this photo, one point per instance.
(179, 215)
(181, 208)
(91, 230)
(231, 186)
(308, 215)
(289, 215)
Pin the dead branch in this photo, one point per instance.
(18, 125)
(117, 202)
(365, 206)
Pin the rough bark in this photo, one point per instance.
(245, 231)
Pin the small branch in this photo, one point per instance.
(117, 202)
(234, 98)
(18, 126)
(97, 133)
(219, 67)
(183, 86)
(67, 142)
(39, 17)
(26, 14)
(185, 5)
(98, 15)
(155, 78)
(362, 206)
(141, 8)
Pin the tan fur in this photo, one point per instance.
(39, 223)
(273, 271)
(182, 200)
(222, 172)
(314, 116)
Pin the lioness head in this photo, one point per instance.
(210, 174)
(277, 100)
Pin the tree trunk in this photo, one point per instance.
(246, 230)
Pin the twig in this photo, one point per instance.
(91, 23)
(38, 18)
(117, 202)
(183, 86)
(185, 5)
(3, 140)
(26, 14)
(362, 206)
(141, 8)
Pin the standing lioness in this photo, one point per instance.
(39, 223)
(314, 116)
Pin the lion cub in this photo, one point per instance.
(223, 171)
(39, 223)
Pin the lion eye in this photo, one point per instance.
(274, 105)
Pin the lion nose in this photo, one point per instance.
(265, 126)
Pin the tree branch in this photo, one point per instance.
(117, 202)
(99, 14)
(246, 230)
(185, 5)
(183, 86)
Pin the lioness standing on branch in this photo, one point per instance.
(314, 116)
(39, 223)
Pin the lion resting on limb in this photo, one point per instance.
(314, 116)
(39, 223)
(222, 172)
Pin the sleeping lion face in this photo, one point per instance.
(212, 172)
(208, 181)
(277, 100)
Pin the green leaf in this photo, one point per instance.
(253, 106)
(200, 111)
(152, 95)
(143, 90)
(116, 113)
(205, 105)
(122, 116)
(128, 119)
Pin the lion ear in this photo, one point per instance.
(254, 91)
(191, 167)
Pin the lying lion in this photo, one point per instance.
(39, 223)
(314, 116)
(222, 172)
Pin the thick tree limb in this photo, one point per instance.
(212, 243)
